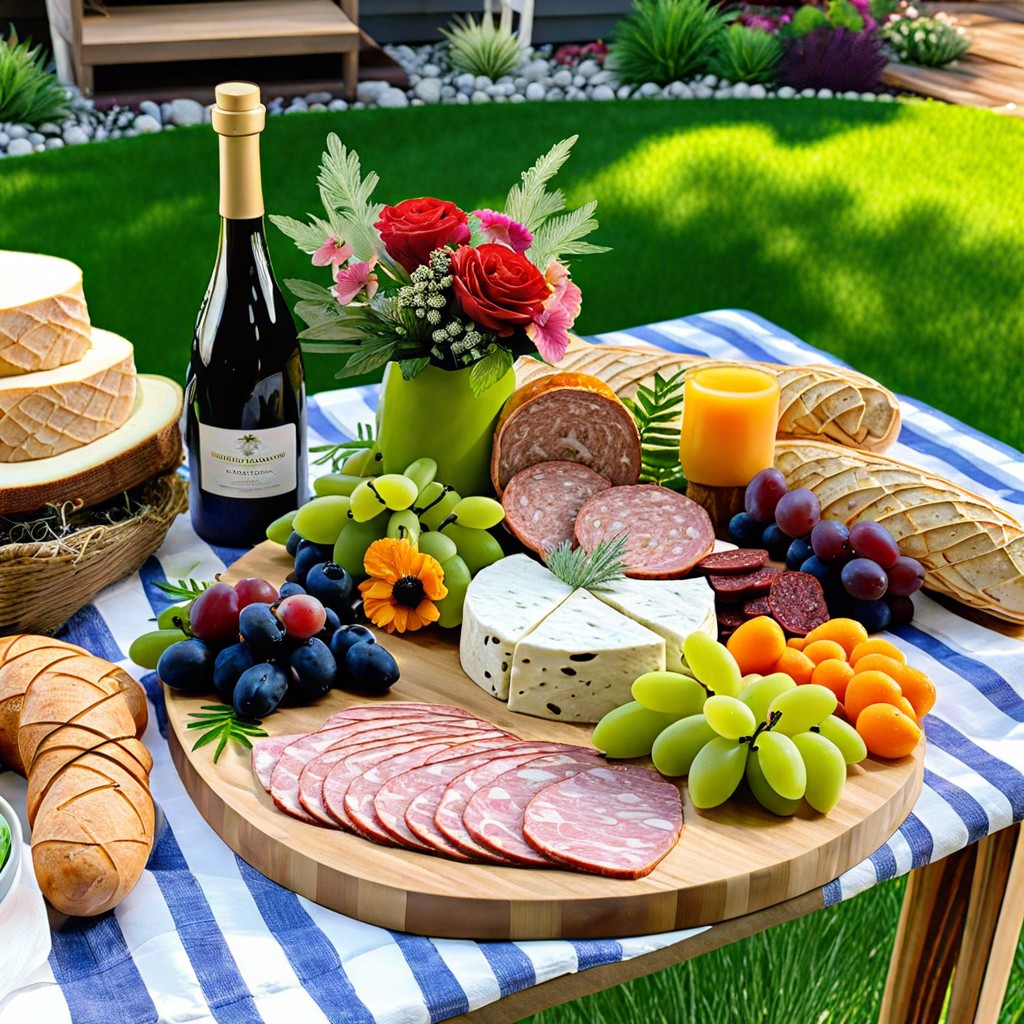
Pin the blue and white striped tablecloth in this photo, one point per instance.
(203, 937)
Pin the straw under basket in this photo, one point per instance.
(43, 584)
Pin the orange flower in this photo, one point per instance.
(402, 587)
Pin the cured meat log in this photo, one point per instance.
(567, 424)
(435, 779)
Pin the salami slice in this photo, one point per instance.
(541, 502)
(494, 814)
(571, 425)
(755, 607)
(743, 585)
(386, 734)
(392, 801)
(666, 533)
(616, 820)
(729, 619)
(451, 806)
(725, 563)
(358, 798)
(419, 816)
(797, 602)
(392, 710)
(265, 755)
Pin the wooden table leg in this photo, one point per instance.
(963, 912)
(992, 929)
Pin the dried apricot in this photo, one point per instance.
(887, 731)
(835, 674)
(821, 650)
(796, 665)
(918, 688)
(877, 645)
(757, 644)
(880, 663)
(873, 688)
(798, 643)
(846, 632)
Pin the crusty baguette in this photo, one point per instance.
(76, 720)
(22, 658)
(92, 836)
(972, 551)
(829, 403)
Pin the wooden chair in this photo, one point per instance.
(524, 8)
(201, 31)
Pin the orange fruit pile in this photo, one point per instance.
(880, 694)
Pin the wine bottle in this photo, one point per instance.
(245, 392)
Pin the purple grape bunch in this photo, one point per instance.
(861, 570)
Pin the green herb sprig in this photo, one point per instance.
(336, 454)
(5, 842)
(657, 411)
(582, 570)
(222, 724)
(184, 590)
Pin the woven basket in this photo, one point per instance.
(43, 585)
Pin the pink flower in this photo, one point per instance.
(351, 280)
(504, 230)
(550, 328)
(332, 253)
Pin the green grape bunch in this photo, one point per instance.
(718, 728)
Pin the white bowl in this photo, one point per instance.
(9, 872)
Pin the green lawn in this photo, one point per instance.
(890, 235)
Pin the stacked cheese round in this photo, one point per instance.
(76, 423)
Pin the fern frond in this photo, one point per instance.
(530, 203)
(562, 236)
(657, 412)
(307, 237)
(583, 570)
(346, 194)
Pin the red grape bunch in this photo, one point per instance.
(861, 570)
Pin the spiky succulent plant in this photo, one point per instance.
(747, 55)
(482, 47)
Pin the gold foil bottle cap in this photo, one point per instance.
(238, 110)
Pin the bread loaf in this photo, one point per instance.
(77, 718)
(972, 551)
(829, 403)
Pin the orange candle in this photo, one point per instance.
(730, 415)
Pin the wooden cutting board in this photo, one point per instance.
(730, 861)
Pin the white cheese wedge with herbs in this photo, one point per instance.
(580, 661)
(503, 603)
(671, 608)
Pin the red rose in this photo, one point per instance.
(413, 229)
(498, 288)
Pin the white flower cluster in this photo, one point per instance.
(927, 41)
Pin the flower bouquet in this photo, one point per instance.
(448, 298)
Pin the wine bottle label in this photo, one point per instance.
(247, 463)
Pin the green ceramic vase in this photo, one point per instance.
(437, 415)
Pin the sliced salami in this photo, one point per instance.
(494, 814)
(616, 820)
(725, 563)
(728, 619)
(315, 770)
(797, 602)
(392, 710)
(358, 798)
(744, 585)
(666, 533)
(393, 799)
(419, 816)
(756, 606)
(541, 502)
(265, 755)
(571, 425)
(451, 806)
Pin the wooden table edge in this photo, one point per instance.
(564, 989)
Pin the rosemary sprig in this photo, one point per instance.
(5, 842)
(335, 454)
(579, 569)
(221, 723)
(657, 411)
(184, 590)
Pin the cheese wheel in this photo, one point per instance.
(52, 411)
(44, 321)
(147, 444)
